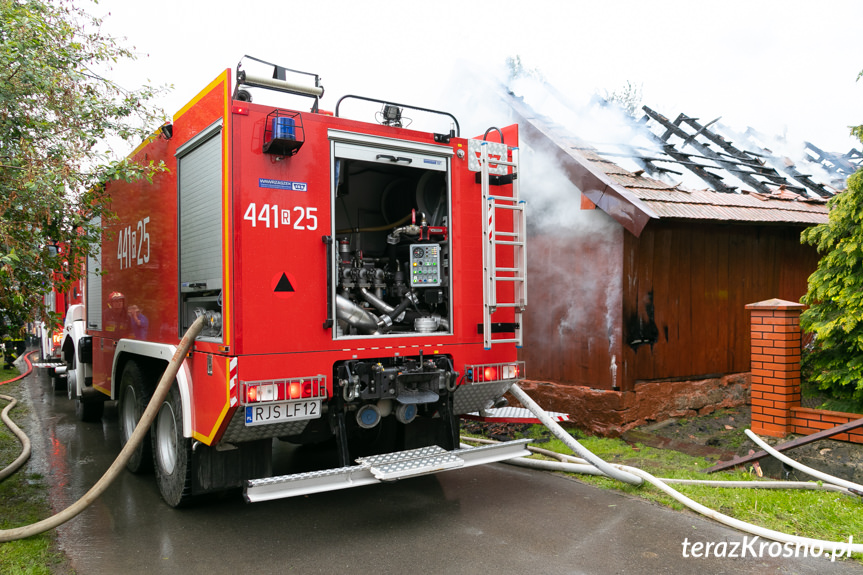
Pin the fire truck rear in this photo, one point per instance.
(362, 283)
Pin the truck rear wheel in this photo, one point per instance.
(134, 396)
(172, 453)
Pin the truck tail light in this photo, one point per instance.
(494, 372)
(314, 387)
(296, 390)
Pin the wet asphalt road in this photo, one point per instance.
(488, 519)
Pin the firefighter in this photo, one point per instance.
(12, 350)
(139, 323)
(116, 315)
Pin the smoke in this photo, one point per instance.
(785, 153)
(574, 254)
(585, 263)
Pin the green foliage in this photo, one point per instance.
(517, 69)
(857, 131)
(56, 113)
(835, 297)
(628, 97)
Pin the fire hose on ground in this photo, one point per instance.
(588, 463)
(119, 464)
(22, 437)
(627, 474)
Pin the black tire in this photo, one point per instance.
(135, 393)
(172, 453)
(89, 411)
(58, 383)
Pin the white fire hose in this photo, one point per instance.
(808, 470)
(570, 441)
(588, 465)
(138, 435)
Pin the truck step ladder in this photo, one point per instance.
(493, 163)
(511, 415)
(379, 468)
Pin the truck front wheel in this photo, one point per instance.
(172, 453)
(134, 397)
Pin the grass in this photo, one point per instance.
(23, 500)
(816, 514)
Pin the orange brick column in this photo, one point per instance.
(775, 345)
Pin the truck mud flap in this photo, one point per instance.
(380, 468)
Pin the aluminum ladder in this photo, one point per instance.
(494, 166)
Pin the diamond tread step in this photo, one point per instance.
(511, 415)
(379, 468)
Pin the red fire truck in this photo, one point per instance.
(51, 335)
(363, 286)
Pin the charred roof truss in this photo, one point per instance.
(715, 155)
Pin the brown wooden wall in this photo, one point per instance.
(686, 287)
(572, 325)
(666, 305)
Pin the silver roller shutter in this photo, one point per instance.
(200, 211)
(94, 287)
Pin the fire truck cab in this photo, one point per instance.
(362, 283)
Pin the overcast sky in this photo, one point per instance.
(782, 67)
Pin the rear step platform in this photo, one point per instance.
(380, 468)
(48, 364)
(511, 415)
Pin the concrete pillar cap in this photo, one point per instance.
(776, 303)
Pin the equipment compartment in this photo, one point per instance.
(391, 260)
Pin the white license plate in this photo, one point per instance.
(279, 412)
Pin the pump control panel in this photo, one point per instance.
(425, 265)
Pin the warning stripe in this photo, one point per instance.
(232, 382)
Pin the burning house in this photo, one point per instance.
(639, 275)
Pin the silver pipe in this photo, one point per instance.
(356, 316)
(379, 304)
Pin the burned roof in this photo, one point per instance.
(717, 161)
(744, 182)
(670, 201)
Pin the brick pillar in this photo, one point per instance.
(775, 345)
